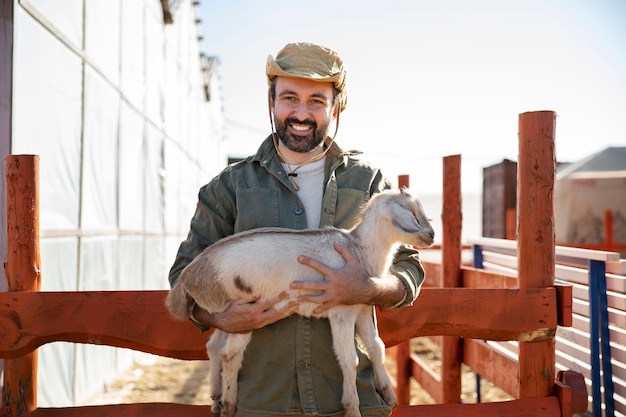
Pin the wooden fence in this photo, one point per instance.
(528, 314)
(595, 345)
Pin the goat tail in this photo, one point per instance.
(178, 301)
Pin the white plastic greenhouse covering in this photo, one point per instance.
(126, 135)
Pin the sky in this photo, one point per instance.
(428, 79)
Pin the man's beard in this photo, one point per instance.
(298, 143)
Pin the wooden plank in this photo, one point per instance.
(30, 319)
(452, 224)
(590, 254)
(535, 407)
(402, 354)
(509, 261)
(428, 379)
(580, 292)
(497, 368)
(23, 272)
(580, 308)
(574, 351)
(560, 251)
(615, 282)
(572, 274)
(581, 322)
(616, 300)
(451, 360)
(618, 355)
(509, 349)
(433, 272)
(616, 267)
(536, 169)
(127, 410)
(130, 319)
(536, 368)
(617, 317)
(618, 335)
(565, 362)
(495, 244)
(573, 335)
(480, 278)
(488, 266)
(576, 401)
(564, 304)
(491, 314)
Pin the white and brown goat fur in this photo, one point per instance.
(264, 262)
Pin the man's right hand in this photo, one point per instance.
(246, 314)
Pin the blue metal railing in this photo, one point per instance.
(601, 370)
(600, 340)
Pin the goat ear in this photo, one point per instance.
(403, 220)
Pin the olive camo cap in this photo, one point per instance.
(311, 61)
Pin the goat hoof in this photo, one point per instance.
(227, 409)
(353, 412)
(216, 407)
(389, 396)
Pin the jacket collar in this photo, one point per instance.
(267, 151)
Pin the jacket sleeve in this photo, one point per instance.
(213, 219)
(408, 268)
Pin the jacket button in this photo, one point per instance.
(298, 210)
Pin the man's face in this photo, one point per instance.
(303, 110)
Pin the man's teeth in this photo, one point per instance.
(301, 127)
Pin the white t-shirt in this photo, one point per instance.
(310, 179)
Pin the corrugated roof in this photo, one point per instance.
(609, 159)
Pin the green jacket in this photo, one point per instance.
(289, 367)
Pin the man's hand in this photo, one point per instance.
(247, 314)
(349, 284)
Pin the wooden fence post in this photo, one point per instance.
(402, 351)
(23, 272)
(536, 239)
(452, 221)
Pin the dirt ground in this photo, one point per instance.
(171, 380)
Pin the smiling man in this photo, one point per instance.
(299, 178)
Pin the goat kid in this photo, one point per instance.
(264, 262)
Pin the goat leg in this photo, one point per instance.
(232, 358)
(368, 333)
(214, 347)
(342, 325)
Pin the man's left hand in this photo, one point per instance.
(348, 284)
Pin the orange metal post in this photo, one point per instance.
(536, 239)
(23, 272)
(452, 219)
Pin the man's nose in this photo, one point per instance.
(301, 111)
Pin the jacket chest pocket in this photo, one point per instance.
(256, 207)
